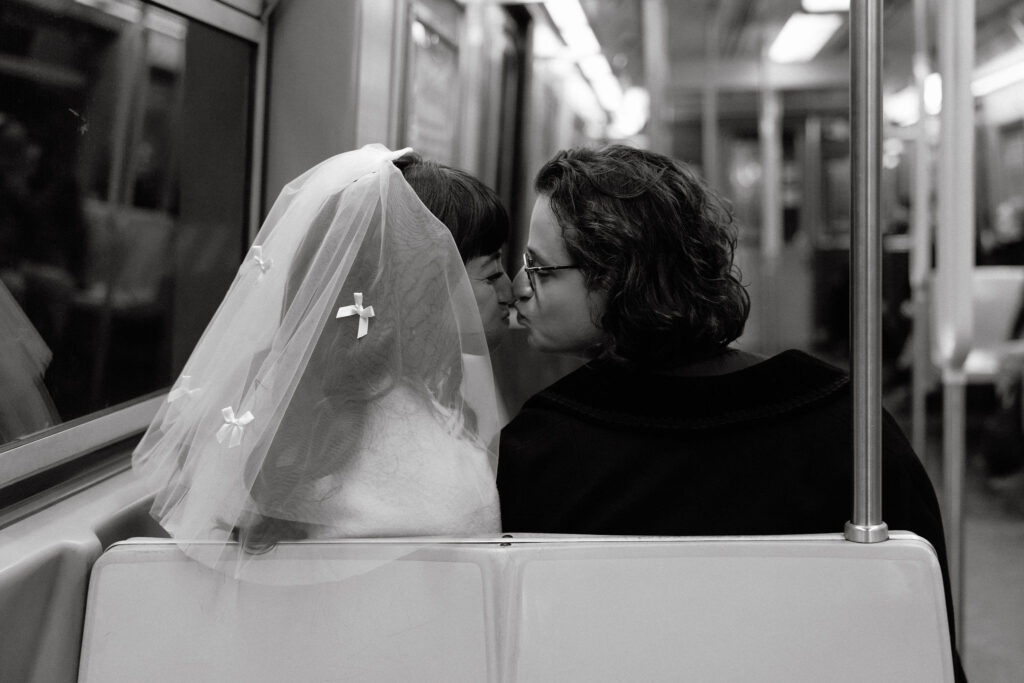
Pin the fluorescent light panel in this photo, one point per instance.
(573, 25)
(902, 107)
(632, 114)
(932, 94)
(1001, 72)
(571, 21)
(546, 43)
(606, 86)
(803, 36)
(826, 5)
(987, 85)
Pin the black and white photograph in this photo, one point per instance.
(512, 341)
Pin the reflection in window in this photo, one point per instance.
(123, 176)
(26, 406)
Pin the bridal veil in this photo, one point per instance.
(343, 388)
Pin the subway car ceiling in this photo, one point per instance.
(725, 48)
(726, 45)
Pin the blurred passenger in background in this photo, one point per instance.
(42, 230)
(25, 403)
(478, 221)
(1003, 244)
(43, 244)
(19, 159)
(668, 429)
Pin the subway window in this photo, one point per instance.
(431, 100)
(125, 145)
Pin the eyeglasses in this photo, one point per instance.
(530, 269)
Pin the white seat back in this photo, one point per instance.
(997, 301)
(539, 609)
(997, 295)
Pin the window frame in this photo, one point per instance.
(63, 443)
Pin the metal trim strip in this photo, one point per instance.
(218, 15)
(22, 459)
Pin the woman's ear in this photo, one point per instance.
(597, 301)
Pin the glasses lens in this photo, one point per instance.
(527, 265)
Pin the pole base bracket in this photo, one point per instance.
(872, 533)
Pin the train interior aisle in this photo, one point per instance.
(993, 620)
(994, 572)
(143, 142)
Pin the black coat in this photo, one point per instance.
(610, 449)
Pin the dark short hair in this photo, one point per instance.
(472, 211)
(645, 230)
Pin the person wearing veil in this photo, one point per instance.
(330, 396)
(479, 224)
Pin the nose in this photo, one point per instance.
(503, 288)
(521, 286)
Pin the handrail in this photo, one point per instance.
(954, 266)
(866, 525)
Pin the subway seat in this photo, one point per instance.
(997, 298)
(528, 608)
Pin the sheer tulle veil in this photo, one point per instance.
(343, 387)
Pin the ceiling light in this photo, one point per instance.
(826, 5)
(573, 25)
(603, 81)
(575, 30)
(902, 107)
(1001, 72)
(932, 94)
(803, 36)
(632, 114)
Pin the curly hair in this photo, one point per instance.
(646, 230)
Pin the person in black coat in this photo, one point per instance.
(668, 429)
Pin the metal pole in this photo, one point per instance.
(866, 525)
(259, 123)
(709, 104)
(954, 385)
(953, 287)
(920, 251)
(656, 72)
(770, 137)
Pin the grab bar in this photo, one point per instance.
(866, 525)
